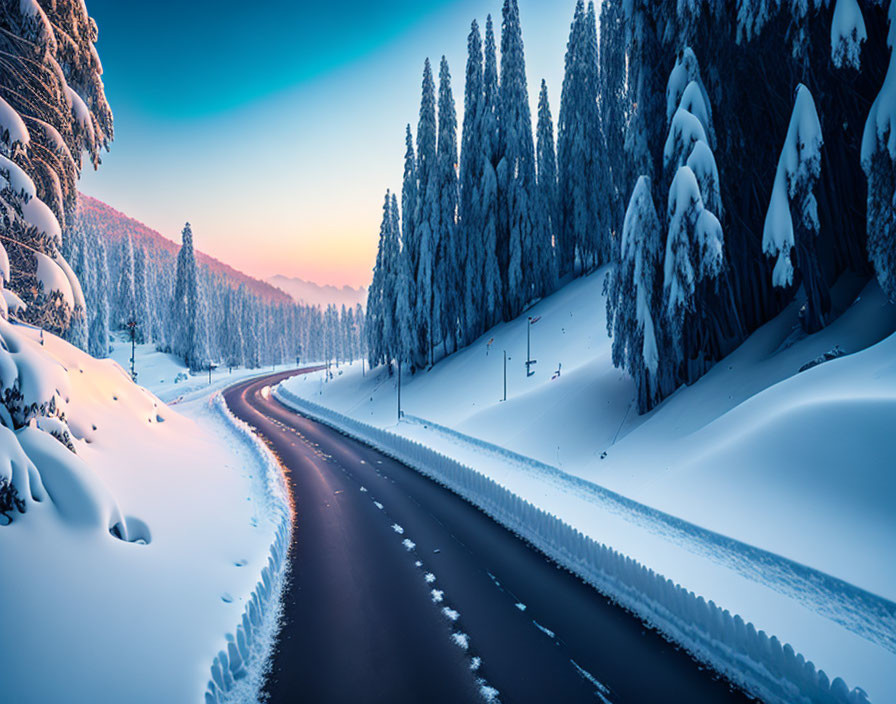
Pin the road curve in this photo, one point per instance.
(403, 592)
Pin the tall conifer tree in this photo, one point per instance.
(518, 229)
(426, 215)
(493, 292)
(450, 251)
(472, 160)
(546, 273)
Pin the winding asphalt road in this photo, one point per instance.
(403, 592)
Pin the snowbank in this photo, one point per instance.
(138, 553)
(237, 674)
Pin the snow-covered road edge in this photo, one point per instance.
(758, 663)
(238, 671)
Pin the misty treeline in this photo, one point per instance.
(188, 309)
(724, 158)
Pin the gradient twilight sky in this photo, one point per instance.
(275, 127)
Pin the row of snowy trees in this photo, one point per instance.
(183, 307)
(476, 244)
(677, 110)
(472, 242)
(759, 163)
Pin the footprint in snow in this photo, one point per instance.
(226, 598)
(240, 563)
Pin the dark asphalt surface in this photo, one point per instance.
(361, 620)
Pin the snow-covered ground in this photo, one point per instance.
(166, 376)
(783, 478)
(88, 617)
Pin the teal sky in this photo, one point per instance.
(275, 127)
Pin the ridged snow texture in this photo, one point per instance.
(238, 671)
(760, 664)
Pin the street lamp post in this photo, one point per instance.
(505, 375)
(399, 392)
(529, 360)
(132, 328)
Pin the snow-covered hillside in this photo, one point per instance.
(138, 553)
(794, 466)
(170, 379)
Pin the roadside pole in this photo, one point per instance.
(505, 375)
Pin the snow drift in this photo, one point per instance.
(146, 537)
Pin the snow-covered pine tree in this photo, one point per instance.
(342, 343)
(251, 332)
(362, 333)
(232, 342)
(399, 339)
(518, 229)
(142, 308)
(403, 344)
(693, 264)
(125, 297)
(546, 272)
(472, 161)
(389, 293)
(330, 325)
(613, 102)
(375, 300)
(450, 249)
(579, 147)
(633, 303)
(348, 333)
(98, 309)
(492, 288)
(879, 163)
(691, 135)
(409, 243)
(702, 317)
(426, 214)
(189, 311)
(791, 222)
(52, 110)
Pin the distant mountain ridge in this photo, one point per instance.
(310, 293)
(116, 226)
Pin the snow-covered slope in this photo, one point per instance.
(793, 463)
(170, 379)
(89, 616)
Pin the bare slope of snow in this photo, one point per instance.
(89, 617)
(793, 466)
